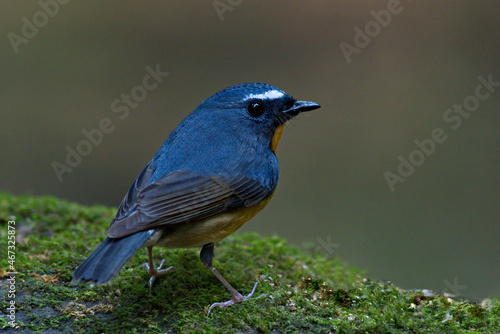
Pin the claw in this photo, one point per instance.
(206, 256)
(155, 272)
(238, 298)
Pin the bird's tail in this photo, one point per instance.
(105, 262)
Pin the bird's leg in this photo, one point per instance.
(206, 256)
(155, 272)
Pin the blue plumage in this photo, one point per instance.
(214, 172)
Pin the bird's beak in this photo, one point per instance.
(301, 106)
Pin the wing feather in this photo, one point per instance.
(128, 203)
(185, 197)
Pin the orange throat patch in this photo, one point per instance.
(276, 137)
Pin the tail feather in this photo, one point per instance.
(105, 262)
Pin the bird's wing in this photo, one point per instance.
(128, 203)
(184, 197)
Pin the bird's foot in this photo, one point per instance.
(237, 298)
(155, 272)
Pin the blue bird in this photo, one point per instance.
(214, 172)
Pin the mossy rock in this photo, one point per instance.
(305, 292)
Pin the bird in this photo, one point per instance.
(216, 170)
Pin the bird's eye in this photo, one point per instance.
(256, 109)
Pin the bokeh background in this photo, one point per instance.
(438, 230)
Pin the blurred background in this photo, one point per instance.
(63, 64)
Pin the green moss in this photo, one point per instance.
(304, 293)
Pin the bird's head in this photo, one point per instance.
(255, 110)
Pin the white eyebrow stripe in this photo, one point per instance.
(269, 95)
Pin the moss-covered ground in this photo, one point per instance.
(304, 293)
